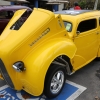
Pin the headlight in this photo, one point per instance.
(19, 66)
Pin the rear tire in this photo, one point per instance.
(54, 81)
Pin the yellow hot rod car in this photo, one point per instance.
(37, 52)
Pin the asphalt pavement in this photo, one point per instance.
(86, 77)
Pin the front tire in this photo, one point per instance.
(54, 81)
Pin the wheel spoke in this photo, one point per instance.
(58, 76)
(52, 84)
(57, 81)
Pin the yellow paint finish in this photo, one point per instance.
(40, 40)
(87, 43)
(40, 59)
(19, 45)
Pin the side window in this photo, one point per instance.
(3, 14)
(68, 26)
(6, 14)
(87, 25)
(10, 14)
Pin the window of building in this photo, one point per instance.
(87, 25)
(42, 4)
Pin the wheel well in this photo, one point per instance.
(62, 60)
(66, 58)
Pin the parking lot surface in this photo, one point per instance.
(85, 78)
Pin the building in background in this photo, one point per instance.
(2, 2)
(47, 4)
(53, 5)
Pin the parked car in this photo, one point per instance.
(37, 53)
(6, 13)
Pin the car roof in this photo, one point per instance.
(14, 7)
(73, 12)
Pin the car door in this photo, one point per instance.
(5, 17)
(86, 42)
(98, 32)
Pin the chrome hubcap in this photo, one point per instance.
(57, 82)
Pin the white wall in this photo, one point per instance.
(4, 2)
(60, 7)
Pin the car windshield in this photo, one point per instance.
(68, 26)
(17, 25)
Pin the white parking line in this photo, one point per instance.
(4, 87)
(78, 92)
(71, 87)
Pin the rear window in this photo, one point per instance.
(17, 25)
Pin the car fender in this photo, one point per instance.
(38, 61)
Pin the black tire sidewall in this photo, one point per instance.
(53, 69)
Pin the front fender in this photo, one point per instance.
(38, 61)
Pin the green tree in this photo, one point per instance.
(82, 4)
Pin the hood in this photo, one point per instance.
(23, 34)
(20, 29)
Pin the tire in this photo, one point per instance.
(97, 59)
(54, 81)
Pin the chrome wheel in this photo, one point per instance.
(57, 82)
(54, 81)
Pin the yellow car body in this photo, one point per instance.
(42, 38)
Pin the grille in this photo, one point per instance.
(5, 74)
